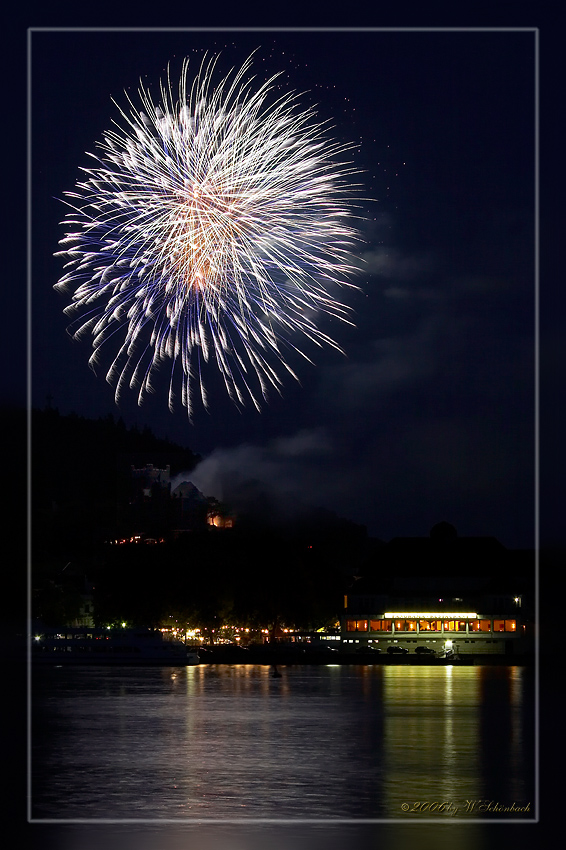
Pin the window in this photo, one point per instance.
(504, 625)
(356, 625)
(424, 626)
(480, 626)
(380, 625)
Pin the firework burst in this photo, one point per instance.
(213, 227)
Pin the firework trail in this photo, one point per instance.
(212, 228)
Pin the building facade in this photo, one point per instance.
(443, 593)
(386, 624)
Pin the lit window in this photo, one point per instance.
(380, 625)
(356, 625)
(510, 625)
(481, 626)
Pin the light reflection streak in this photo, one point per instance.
(224, 741)
(430, 734)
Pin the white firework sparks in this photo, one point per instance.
(212, 228)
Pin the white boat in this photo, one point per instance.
(69, 645)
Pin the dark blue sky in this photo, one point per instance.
(430, 415)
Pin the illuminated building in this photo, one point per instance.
(462, 631)
(467, 595)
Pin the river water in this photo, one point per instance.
(230, 742)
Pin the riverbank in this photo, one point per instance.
(286, 656)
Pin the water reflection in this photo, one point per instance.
(456, 736)
(230, 741)
(506, 757)
(431, 737)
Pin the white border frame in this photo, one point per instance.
(187, 822)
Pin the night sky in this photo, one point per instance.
(430, 415)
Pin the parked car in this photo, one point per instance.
(425, 650)
(319, 647)
(397, 650)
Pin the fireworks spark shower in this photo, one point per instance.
(213, 228)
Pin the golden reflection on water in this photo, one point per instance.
(517, 730)
(430, 736)
(395, 742)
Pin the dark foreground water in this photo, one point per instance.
(331, 742)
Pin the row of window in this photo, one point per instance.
(417, 641)
(79, 636)
(431, 625)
